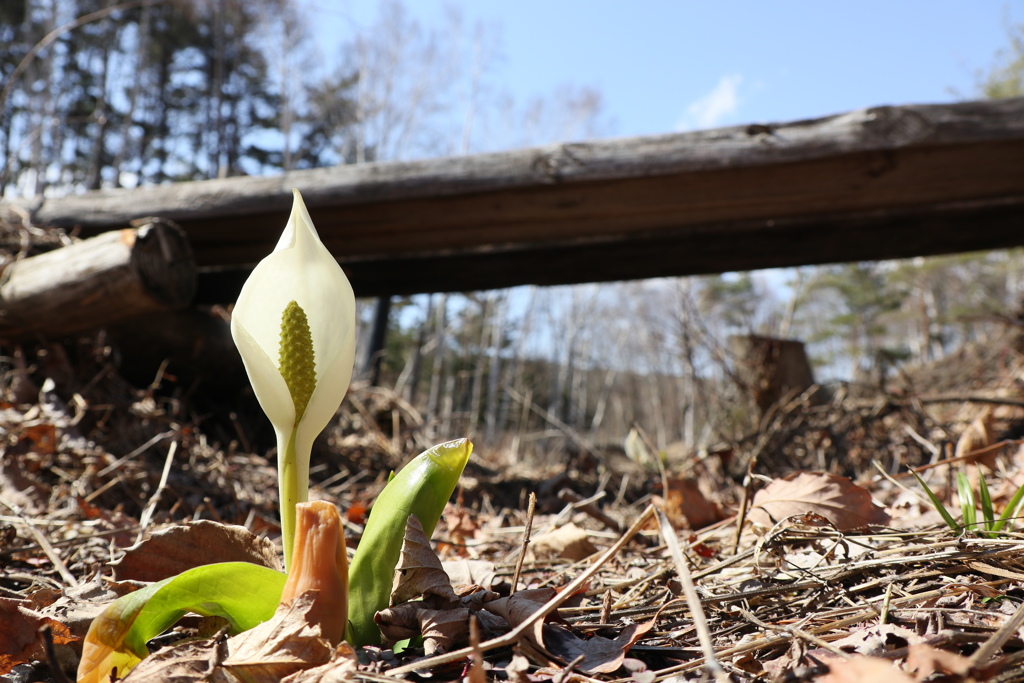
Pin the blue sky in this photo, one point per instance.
(666, 66)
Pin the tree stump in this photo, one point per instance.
(771, 368)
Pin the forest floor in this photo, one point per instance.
(804, 550)
(801, 549)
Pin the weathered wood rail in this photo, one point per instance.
(883, 182)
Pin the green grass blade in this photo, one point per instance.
(948, 518)
(1010, 511)
(967, 507)
(985, 498)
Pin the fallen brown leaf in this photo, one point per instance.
(461, 524)
(178, 548)
(978, 435)
(837, 499)
(568, 541)
(189, 662)
(923, 661)
(687, 507)
(600, 655)
(399, 622)
(419, 570)
(470, 572)
(280, 647)
(340, 669)
(20, 640)
(860, 669)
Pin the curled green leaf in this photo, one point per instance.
(242, 593)
(421, 488)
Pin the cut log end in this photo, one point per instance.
(163, 258)
(93, 283)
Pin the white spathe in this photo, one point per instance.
(299, 269)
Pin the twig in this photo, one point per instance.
(526, 541)
(549, 607)
(991, 646)
(565, 673)
(476, 668)
(51, 655)
(122, 460)
(700, 620)
(587, 506)
(991, 400)
(966, 457)
(932, 448)
(793, 631)
(147, 513)
(47, 548)
(741, 516)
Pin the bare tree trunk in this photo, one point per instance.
(447, 403)
(436, 372)
(416, 364)
(477, 389)
(216, 127)
(94, 176)
(578, 396)
(378, 340)
(45, 113)
(494, 368)
(515, 367)
(145, 24)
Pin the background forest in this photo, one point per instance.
(100, 94)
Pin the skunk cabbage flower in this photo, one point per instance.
(294, 326)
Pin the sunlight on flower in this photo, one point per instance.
(294, 326)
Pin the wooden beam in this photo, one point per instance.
(876, 183)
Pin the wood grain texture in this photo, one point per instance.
(113, 276)
(858, 185)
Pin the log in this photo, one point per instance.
(93, 283)
(877, 183)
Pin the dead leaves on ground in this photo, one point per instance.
(20, 637)
(443, 615)
(844, 504)
(285, 648)
(175, 549)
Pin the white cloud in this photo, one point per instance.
(722, 102)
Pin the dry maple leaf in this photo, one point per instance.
(837, 499)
